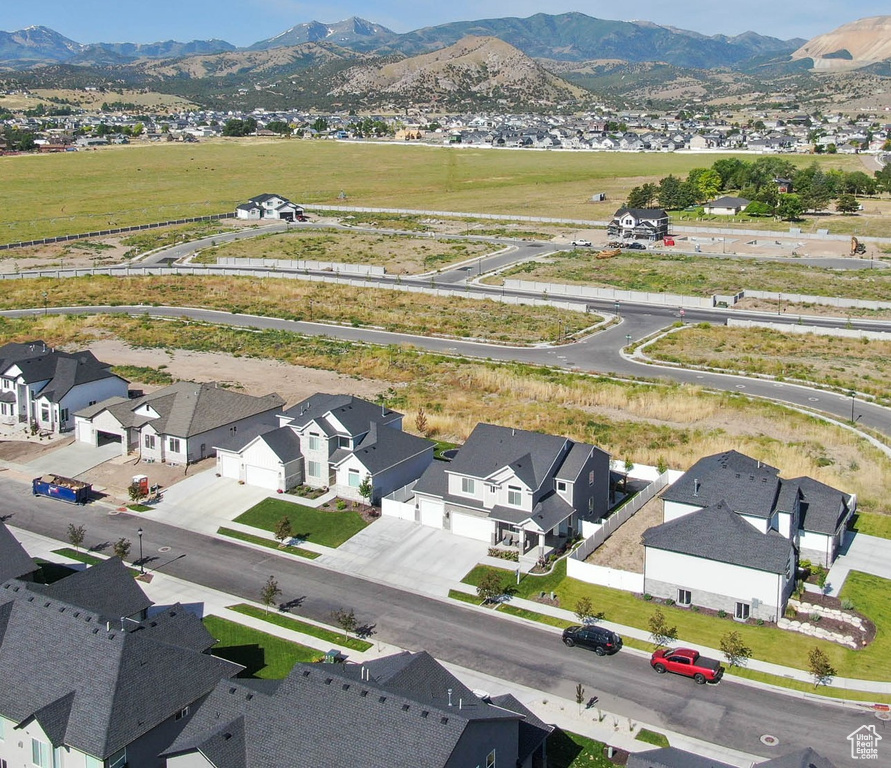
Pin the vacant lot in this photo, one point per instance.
(153, 182)
(398, 254)
(328, 527)
(698, 276)
(623, 550)
(861, 365)
(391, 310)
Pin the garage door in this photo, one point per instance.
(261, 477)
(230, 466)
(479, 528)
(431, 513)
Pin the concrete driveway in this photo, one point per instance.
(72, 460)
(204, 502)
(867, 554)
(407, 555)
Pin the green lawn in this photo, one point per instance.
(870, 595)
(873, 525)
(652, 737)
(329, 528)
(571, 750)
(268, 543)
(74, 554)
(261, 655)
(288, 622)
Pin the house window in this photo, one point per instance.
(174, 445)
(314, 469)
(490, 488)
(590, 503)
(63, 415)
(742, 611)
(118, 759)
(353, 478)
(343, 442)
(315, 443)
(561, 485)
(92, 762)
(684, 597)
(44, 413)
(514, 496)
(591, 477)
(490, 759)
(468, 486)
(150, 441)
(184, 712)
(40, 753)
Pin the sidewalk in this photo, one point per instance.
(850, 684)
(611, 729)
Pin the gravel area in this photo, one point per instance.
(623, 550)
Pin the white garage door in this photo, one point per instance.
(230, 466)
(431, 513)
(261, 477)
(479, 528)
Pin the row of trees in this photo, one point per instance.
(814, 188)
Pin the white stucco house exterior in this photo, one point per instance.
(179, 424)
(267, 206)
(330, 441)
(726, 206)
(639, 224)
(44, 387)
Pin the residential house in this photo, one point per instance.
(726, 206)
(44, 387)
(336, 441)
(733, 533)
(672, 757)
(82, 690)
(639, 224)
(402, 711)
(268, 206)
(525, 489)
(179, 424)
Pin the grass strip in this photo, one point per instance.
(249, 537)
(542, 618)
(84, 557)
(139, 508)
(261, 654)
(463, 597)
(296, 625)
(652, 737)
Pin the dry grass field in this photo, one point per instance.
(144, 182)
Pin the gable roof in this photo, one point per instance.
(176, 626)
(96, 713)
(718, 533)
(728, 202)
(641, 213)
(745, 484)
(15, 562)
(533, 730)
(392, 711)
(382, 448)
(186, 408)
(490, 448)
(107, 589)
(354, 413)
(823, 508)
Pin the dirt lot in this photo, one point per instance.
(623, 550)
(113, 478)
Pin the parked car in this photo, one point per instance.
(687, 662)
(635, 247)
(581, 243)
(601, 640)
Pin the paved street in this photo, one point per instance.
(730, 714)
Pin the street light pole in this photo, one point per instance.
(141, 564)
(853, 396)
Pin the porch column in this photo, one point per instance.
(522, 541)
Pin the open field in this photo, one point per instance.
(397, 311)
(859, 365)
(91, 100)
(700, 276)
(642, 422)
(869, 594)
(140, 183)
(398, 254)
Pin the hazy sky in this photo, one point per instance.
(243, 22)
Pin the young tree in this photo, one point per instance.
(269, 592)
(135, 492)
(584, 609)
(490, 587)
(122, 548)
(580, 696)
(819, 666)
(346, 620)
(660, 631)
(366, 489)
(735, 650)
(283, 530)
(76, 535)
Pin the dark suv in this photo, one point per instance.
(598, 639)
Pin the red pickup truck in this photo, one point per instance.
(686, 661)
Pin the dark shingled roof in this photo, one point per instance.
(718, 533)
(671, 757)
(392, 711)
(383, 447)
(823, 508)
(174, 625)
(804, 758)
(15, 562)
(642, 213)
(533, 730)
(96, 713)
(490, 448)
(107, 589)
(747, 485)
(354, 413)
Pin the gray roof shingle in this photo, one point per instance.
(672, 757)
(354, 413)
(823, 508)
(15, 562)
(384, 447)
(803, 758)
(718, 533)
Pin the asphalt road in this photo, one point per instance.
(730, 714)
